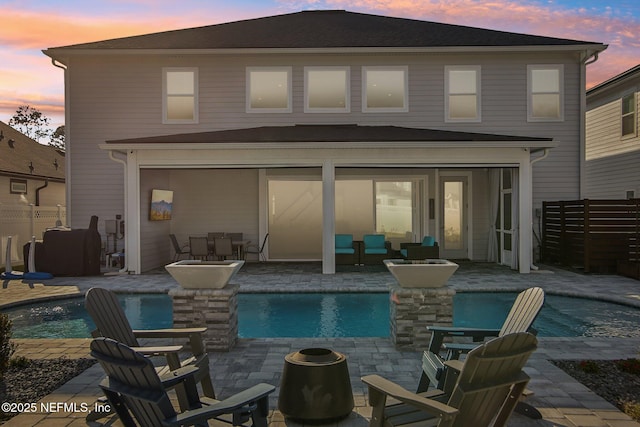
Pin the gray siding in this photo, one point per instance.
(117, 97)
(612, 161)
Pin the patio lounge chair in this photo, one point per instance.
(427, 249)
(106, 312)
(136, 391)
(347, 251)
(374, 249)
(524, 311)
(485, 393)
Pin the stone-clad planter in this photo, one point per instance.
(428, 273)
(195, 274)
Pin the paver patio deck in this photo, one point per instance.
(562, 400)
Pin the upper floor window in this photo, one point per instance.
(545, 101)
(180, 101)
(385, 89)
(629, 114)
(326, 90)
(462, 97)
(269, 90)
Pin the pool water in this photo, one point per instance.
(332, 315)
(313, 315)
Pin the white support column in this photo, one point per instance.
(132, 214)
(525, 208)
(328, 217)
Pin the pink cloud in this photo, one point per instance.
(522, 17)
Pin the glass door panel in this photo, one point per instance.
(454, 218)
(295, 219)
(395, 211)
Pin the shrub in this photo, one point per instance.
(631, 408)
(631, 366)
(589, 366)
(19, 362)
(7, 348)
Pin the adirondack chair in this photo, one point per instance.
(524, 311)
(136, 391)
(106, 312)
(490, 382)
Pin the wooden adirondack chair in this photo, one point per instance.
(524, 311)
(135, 391)
(106, 312)
(490, 382)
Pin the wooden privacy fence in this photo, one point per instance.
(596, 235)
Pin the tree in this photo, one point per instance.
(57, 138)
(31, 122)
(34, 124)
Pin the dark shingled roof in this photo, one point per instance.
(18, 152)
(327, 29)
(324, 133)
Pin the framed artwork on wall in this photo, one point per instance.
(161, 205)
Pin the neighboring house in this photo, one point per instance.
(30, 173)
(612, 143)
(32, 190)
(320, 122)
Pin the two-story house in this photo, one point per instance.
(314, 123)
(612, 143)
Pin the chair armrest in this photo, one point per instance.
(158, 350)
(379, 388)
(168, 333)
(405, 245)
(194, 335)
(226, 406)
(173, 378)
(440, 332)
(169, 380)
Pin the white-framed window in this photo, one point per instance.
(180, 95)
(385, 89)
(545, 93)
(462, 93)
(326, 90)
(629, 117)
(268, 90)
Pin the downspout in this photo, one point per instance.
(125, 268)
(46, 184)
(589, 59)
(545, 153)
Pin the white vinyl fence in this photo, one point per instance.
(21, 222)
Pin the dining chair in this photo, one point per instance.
(179, 250)
(233, 236)
(258, 250)
(199, 248)
(214, 234)
(223, 247)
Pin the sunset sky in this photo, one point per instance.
(27, 76)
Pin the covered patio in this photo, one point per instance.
(247, 160)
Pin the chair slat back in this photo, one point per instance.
(132, 378)
(223, 246)
(489, 375)
(524, 311)
(199, 246)
(105, 310)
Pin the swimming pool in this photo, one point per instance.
(332, 315)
